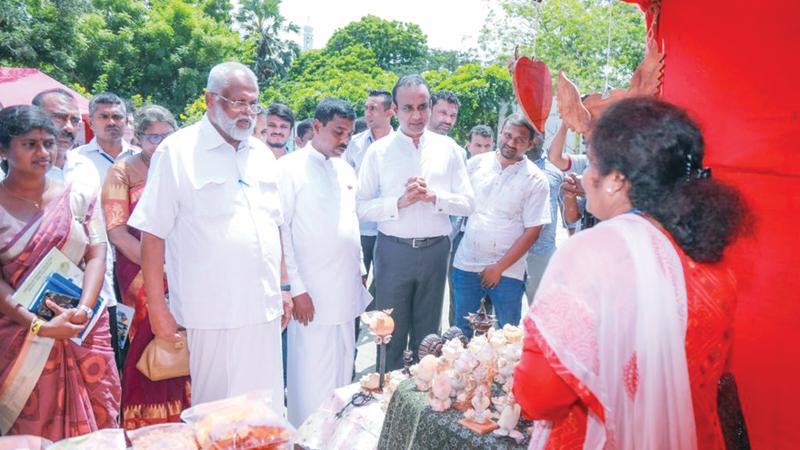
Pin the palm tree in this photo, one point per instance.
(261, 22)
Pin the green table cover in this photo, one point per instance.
(411, 424)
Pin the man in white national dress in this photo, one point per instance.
(212, 202)
(322, 247)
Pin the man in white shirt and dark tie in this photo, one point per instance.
(211, 204)
(323, 260)
(410, 183)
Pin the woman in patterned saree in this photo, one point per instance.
(144, 402)
(631, 328)
(49, 385)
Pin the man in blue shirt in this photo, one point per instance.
(545, 245)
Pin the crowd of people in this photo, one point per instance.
(256, 258)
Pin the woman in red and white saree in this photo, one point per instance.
(49, 385)
(144, 402)
(631, 328)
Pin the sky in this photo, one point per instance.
(449, 24)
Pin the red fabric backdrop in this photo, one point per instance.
(734, 65)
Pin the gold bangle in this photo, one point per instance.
(36, 325)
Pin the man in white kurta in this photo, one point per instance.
(212, 200)
(323, 259)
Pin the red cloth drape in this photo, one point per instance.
(733, 65)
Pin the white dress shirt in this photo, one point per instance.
(88, 166)
(387, 166)
(508, 201)
(354, 155)
(218, 209)
(320, 234)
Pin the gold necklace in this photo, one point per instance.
(37, 205)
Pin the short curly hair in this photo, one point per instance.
(659, 149)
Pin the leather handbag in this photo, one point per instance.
(162, 360)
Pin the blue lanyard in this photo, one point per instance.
(634, 211)
(105, 155)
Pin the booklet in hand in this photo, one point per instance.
(65, 293)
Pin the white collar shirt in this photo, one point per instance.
(320, 234)
(87, 166)
(390, 162)
(218, 209)
(91, 156)
(508, 201)
(354, 155)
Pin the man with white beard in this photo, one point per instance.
(212, 202)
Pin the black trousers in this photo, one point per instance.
(411, 282)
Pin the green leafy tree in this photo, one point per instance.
(436, 59)
(160, 49)
(41, 34)
(484, 93)
(395, 44)
(219, 10)
(262, 25)
(317, 74)
(570, 35)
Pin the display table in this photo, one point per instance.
(358, 429)
(410, 423)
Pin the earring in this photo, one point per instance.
(609, 190)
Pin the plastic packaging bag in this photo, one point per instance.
(165, 436)
(108, 439)
(238, 423)
(23, 442)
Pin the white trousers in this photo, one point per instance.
(230, 362)
(320, 360)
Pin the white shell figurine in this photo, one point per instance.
(451, 350)
(465, 363)
(439, 395)
(497, 339)
(426, 369)
(508, 420)
(482, 350)
(480, 412)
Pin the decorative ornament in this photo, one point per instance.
(481, 321)
(425, 371)
(455, 333)
(408, 360)
(534, 89)
(430, 345)
(381, 325)
(439, 395)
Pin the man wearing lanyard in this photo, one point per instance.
(410, 183)
(107, 117)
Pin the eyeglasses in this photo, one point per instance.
(155, 139)
(62, 118)
(241, 105)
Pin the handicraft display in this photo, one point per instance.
(465, 377)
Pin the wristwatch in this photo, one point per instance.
(286, 287)
(87, 310)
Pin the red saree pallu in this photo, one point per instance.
(54, 388)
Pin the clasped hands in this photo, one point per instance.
(416, 191)
(572, 186)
